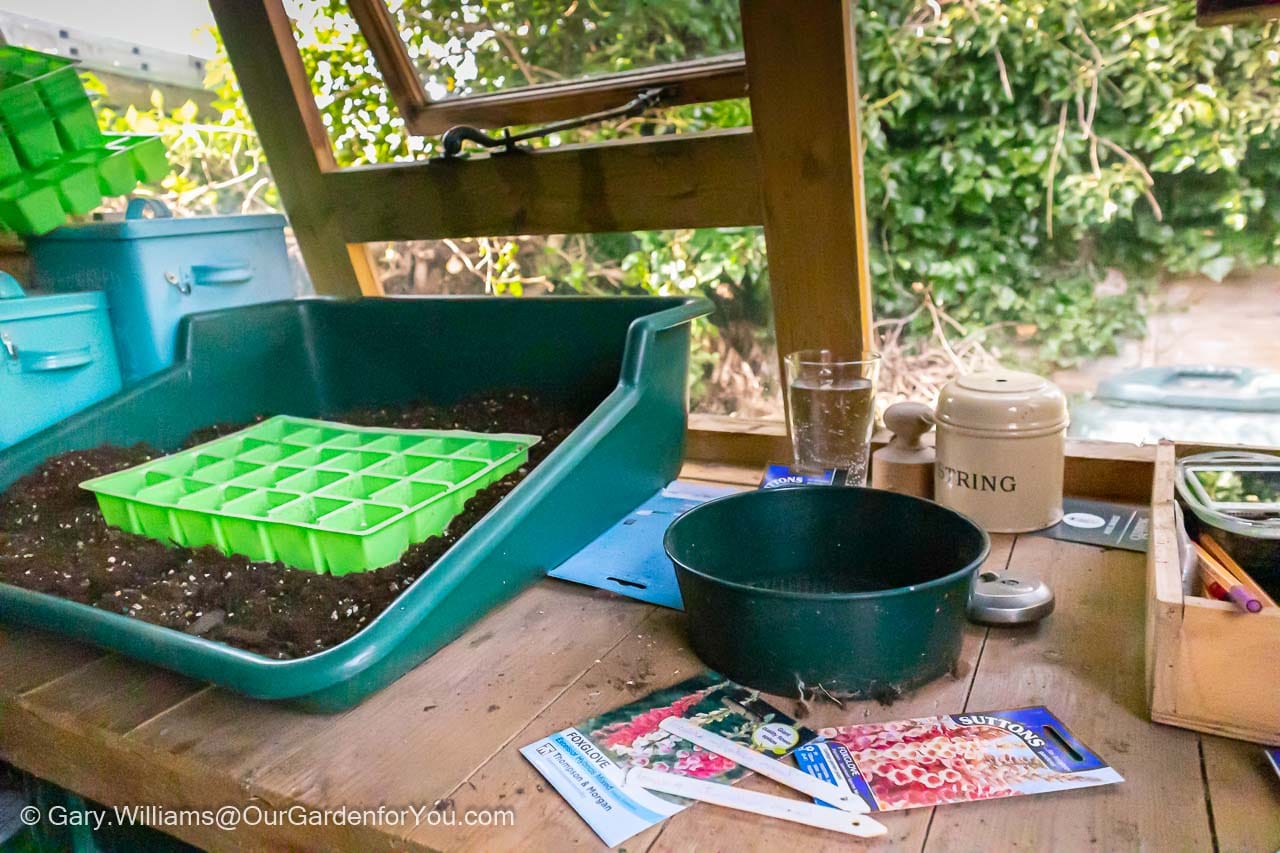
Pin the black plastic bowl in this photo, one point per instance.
(858, 592)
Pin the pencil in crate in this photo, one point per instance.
(1220, 582)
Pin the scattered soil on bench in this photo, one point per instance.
(53, 540)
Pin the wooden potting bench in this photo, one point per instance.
(447, 734)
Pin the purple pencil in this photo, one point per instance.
(1220, 581)
(1242, 599)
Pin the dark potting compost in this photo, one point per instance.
(53, 540)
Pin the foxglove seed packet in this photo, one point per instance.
(929, 761)
(587, 763)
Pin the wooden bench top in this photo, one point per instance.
(447, 733)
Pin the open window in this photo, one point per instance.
(555, 64)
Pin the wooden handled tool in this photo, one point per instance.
(1220, 583)
(1226, 561)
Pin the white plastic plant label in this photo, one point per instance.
(587, 763)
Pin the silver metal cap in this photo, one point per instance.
(1004, 600)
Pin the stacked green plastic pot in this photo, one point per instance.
(54, 160)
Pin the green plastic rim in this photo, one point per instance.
(675, 551)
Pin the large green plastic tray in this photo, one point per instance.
(312, 494)
(620, 365)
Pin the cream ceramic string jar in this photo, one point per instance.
(1001, 443)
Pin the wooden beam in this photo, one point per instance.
(261, 47)
(694, 81)
(734, 441)
(1217, 14)
(1118, 472)
(804, 103)
(680, 181)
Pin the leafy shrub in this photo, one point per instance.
(1017, 150)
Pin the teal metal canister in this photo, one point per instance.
(155, 271)
(56, 358)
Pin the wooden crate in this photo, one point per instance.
(1209, 667)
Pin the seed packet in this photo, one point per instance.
(928, 761)
(779, 474)
(587, 763)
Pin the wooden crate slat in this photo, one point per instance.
(1208, 667)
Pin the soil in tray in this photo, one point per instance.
(53, 540)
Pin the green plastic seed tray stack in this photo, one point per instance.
(312, 494)
(54, 159)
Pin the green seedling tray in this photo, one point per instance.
(10, 168)
(30, 126)
(73, 115)
(115, 170)
(23, 63)
(76, 184)
(312, 494)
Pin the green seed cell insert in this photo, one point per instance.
(312, 494)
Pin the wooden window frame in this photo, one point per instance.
(715, 78)
(797, 171)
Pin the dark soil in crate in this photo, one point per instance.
(53, 540)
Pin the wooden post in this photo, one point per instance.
(802, 81)
(262, 49)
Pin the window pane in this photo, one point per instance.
(733, 366)
(464, 48)
(354, 102)
(473, 53)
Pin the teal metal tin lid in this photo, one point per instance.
(141, 229)
(9, 287)
(32, 306)
(1214, 387)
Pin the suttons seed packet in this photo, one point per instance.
(587, 763)
(958, 758)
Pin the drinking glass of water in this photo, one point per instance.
(831, 400)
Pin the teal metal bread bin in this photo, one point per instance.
(56, 357)
(620, 363)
